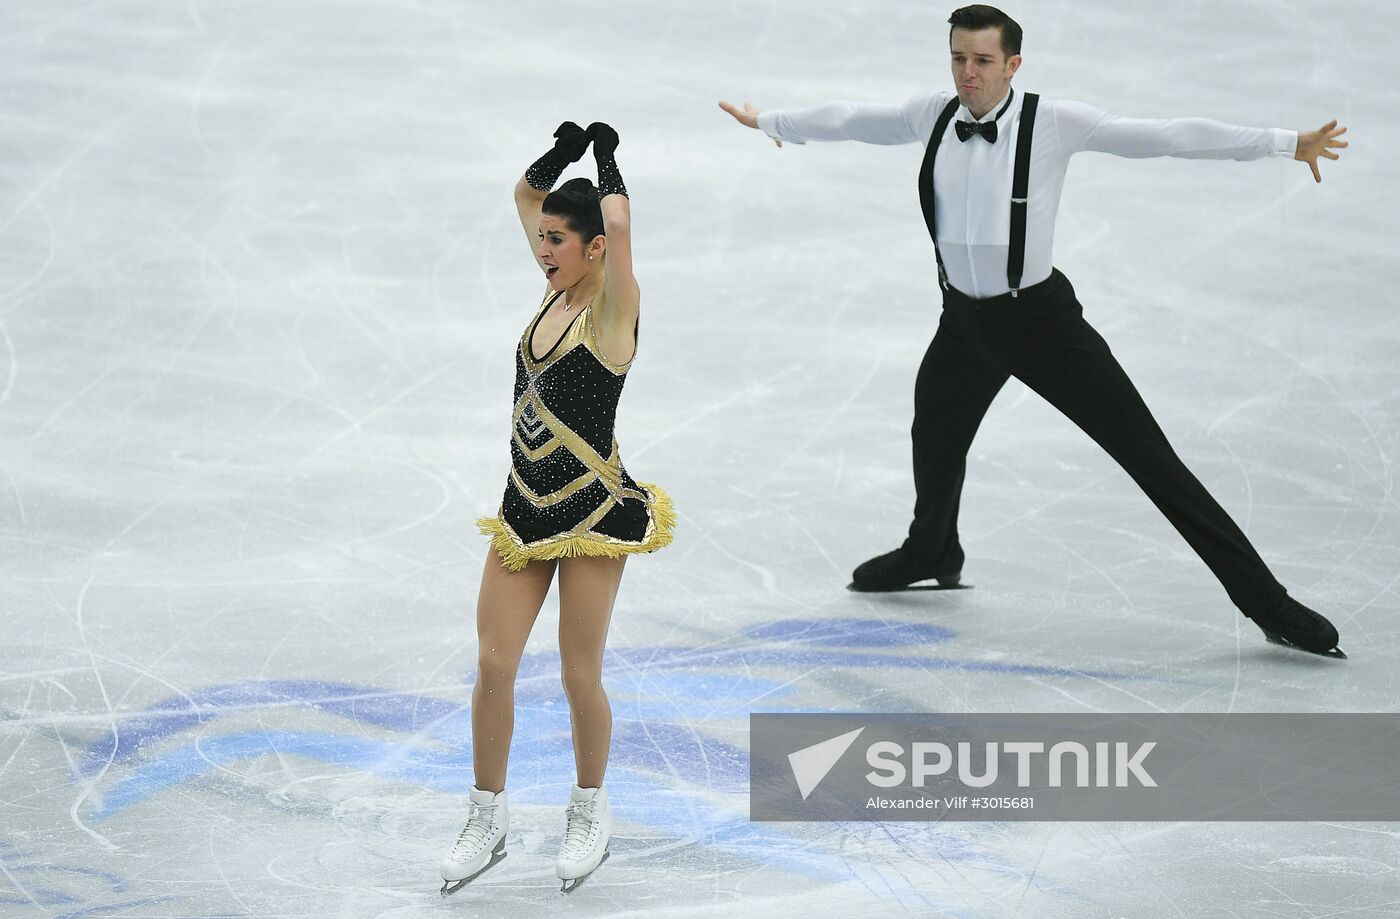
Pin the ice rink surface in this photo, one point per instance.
(260, 284)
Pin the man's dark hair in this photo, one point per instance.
(576, 201)
(979, 16)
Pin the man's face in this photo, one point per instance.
(981, 70)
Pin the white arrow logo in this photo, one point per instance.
(811, 764)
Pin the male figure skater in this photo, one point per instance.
(993, 169)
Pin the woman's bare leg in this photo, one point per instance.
(587, 589)
(506, 608)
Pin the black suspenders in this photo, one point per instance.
(1020, 184)
(926, 196)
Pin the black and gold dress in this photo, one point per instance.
(567, 493)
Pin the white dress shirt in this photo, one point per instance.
(972, 179)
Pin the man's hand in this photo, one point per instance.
(747, 116)
(1322, 142)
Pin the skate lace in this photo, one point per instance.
(481, 818)
(580, 817)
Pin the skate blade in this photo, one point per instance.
(451, 887)
(952, 585)
(1276, 639)
(573, 884)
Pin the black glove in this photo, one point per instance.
(605, 142)
(569, 145)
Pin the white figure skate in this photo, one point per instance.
(481, 843)
(587, 829)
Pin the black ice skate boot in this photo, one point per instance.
(897, 571)
(1291, 624)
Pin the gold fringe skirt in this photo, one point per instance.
(515, 554)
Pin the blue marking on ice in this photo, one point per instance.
(665, 769)
(654, 673)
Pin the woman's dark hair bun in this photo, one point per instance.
(577, 202)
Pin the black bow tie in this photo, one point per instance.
(966, 129)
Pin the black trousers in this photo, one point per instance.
(1041, 338)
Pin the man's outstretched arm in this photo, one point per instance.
(1083, 127)
(866, 122)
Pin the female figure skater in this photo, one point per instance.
(568, 504)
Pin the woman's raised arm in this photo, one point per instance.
(570, 142)
(623, 298)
